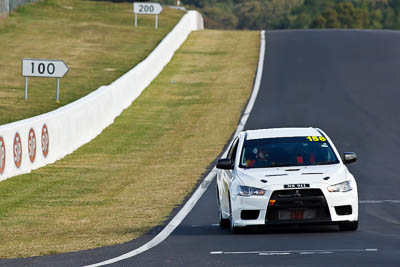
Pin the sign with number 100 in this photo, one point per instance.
(43, 68)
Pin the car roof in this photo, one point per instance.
(281, 132)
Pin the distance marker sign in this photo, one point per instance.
(43, 68)
(147, 9)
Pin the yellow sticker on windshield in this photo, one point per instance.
(316, 138)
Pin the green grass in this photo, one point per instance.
(129, 178)
(97, 40)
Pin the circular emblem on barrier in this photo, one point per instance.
(32, 145)
(2, 155)
(17, 150)
(45, 140)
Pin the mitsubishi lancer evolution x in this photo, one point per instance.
(286, 176)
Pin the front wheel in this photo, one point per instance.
(234, 229)
(348, 226)
(223, 223)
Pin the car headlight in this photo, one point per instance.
(247, 191)
(341, 187)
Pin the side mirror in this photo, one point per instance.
(225, 164)
(349, 157)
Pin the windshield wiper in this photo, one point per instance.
(282, 165)
(325, 162)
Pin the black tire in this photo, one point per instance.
(348, 226)
(234, 229)
(223, 223)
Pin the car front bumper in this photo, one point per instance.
(331, 208)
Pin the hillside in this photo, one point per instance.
(82, 34)
(299, 14)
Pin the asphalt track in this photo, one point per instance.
(348, 84)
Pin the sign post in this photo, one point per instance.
(147, 9)
(26, 88)
(43, 68)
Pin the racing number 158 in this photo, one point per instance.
(316, 138)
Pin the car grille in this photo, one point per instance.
(297, 205)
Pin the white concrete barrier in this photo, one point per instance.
(35, 142)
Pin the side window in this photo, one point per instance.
(233, 150)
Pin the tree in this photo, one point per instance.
(319, 22)
(302, 21)
(197, 3)
(250, 15)
(345, 11)
(376, 19)
(331, 18)
(389, 18)
(360, 19)
(276, 12)
(218, 18)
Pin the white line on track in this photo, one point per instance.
(393, 201)
(290, 252)
(274, 254)
(204, 185)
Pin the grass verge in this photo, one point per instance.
(97, 40)
(129, 178)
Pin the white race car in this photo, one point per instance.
(285, 176)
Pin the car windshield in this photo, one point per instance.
(287, 151)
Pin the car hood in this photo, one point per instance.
(321, 174)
